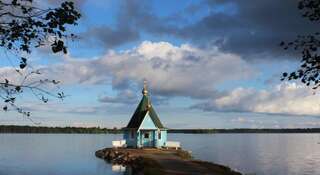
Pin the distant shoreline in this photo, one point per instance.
(98, 130)
(245, 130)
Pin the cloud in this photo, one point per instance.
(124, 97)
(59, 107)
(111, 37)
(180, 71)
(252, 30)
(248, 122)
(133, 18)
(171, 70)
(247, 28)
(287, 98)
(177, 71)
(127, 96)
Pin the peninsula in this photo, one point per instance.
(152, 161)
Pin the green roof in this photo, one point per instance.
(141, 111)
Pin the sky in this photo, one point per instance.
(208, 64)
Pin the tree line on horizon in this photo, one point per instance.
(44, 129)
(98, 130)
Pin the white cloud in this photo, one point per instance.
(125, 96)
(170, 70)
(60, 107)
(185, 71)
(239, 119)
(246, 120)
(285, 98)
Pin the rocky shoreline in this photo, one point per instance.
(122, 157)
(161, 161)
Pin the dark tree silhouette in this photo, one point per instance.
(309, 69)
(24, 26)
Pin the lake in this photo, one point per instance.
(73, 154)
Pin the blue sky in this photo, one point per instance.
(209, 64)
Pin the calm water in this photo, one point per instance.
(67, 154)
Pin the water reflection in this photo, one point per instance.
(122, 169)
(118, 168)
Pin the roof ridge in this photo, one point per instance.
(142, 109)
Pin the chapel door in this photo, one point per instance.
(147, 138)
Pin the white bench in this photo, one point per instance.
(172, 144)
(119, 144)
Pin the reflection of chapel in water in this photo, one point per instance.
(145, 128)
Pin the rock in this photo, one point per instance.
(99, 153)
(111, 155)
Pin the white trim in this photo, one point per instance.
(143, 121)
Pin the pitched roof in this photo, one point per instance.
(141, 111)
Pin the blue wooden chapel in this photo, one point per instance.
(145, 128)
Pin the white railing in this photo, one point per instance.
(172, 144)
(119, 144)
